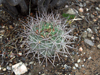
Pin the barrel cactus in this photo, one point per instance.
(48, 37)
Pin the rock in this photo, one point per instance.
(89, 30)
(98, 46)
(89, 42)
(76, 65)
(43, 74)
(92, 38)
(19, 68)
(97, 8)
(8, 68)
(4, 69)
(97, 38)
(87, 2)
(89, 35)
(80, 4)
(79, 60)
(81, 10)
(71, 11)
(81, 49)
(84, 34)
(89, 58)
(82, 65)
(92, 16)
(66, 66)
(74, 68)
(95, 30)
(84, 59)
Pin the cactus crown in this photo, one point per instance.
(47, 36)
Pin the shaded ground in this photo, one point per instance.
(83, 62)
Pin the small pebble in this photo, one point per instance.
(98, 46)
(12, 55)
(66, 55)
(57, 64)
(78, 61)
(43, 74)
(66, 66)
(81, 49)
(89, 57)
(94, 20)
(4, 69)
(76, 65)
(71, 11)
(89, 30)
(81, 10)
(92, 16)
(0, 67)
(80, 4)
(89, 35)
(97, 38)
(10, 26)
(20, 53)
(83, 59)
(87, 9)
(8, 68)
(3, 26)
(97, 8)
(87, 2)
(84, 34)
(66, 6)
(82, 65)
(99, 16)
(89, 42)
(19, 68)
(31, 62)
(92, 37)
(39, 72)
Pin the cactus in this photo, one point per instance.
(47, 37)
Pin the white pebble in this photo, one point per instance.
(0, 68)
(87, 9)
(76, 65)
(82, 65)
(66, 6)
(8, 68)
(81, 49)
(89, 58)
(20, 54)
(89, 30)
(19, 68)
(4, 69)
(92, 37)
(83, 59)
(39, 72)
(78, 61)
(31, 62)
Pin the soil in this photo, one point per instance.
(84, 60)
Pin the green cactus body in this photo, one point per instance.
(48, 36)
(45, 36)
